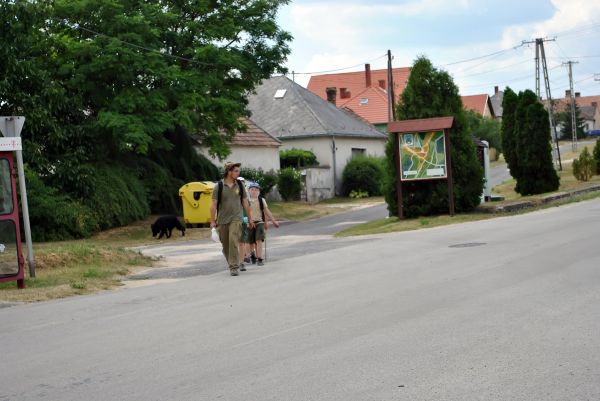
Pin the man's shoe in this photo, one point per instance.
(234, 272)
(260, 262)
(247, 259)
(253, 257)
(242, 267)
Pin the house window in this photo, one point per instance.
(280, 93)
(358, 152)
(364, 101)
(344, 93)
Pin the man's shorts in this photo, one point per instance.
(245, 237)
(256, 234)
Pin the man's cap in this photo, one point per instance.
(231, 165)
(254, 185)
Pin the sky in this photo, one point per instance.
(336, 34)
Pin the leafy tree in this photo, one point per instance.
(297, 158)
(536, 172)
(432, 93)
(487, 129)
(124, 83)
(508, 130)
(564, 117)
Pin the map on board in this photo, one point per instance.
(422, 155)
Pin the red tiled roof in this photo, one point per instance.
(371, 104)
(253, 135)
(559, 104)
(376, 111)
(355, 82)
(476, 103)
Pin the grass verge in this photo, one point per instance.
(70, 268)
(298, 211)
(393, 224)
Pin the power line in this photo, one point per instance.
(339, 69)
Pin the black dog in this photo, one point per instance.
(165, 225)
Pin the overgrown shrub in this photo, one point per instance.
(584, 166)
(358, 194)
(119, 197)
(55, 216)
(266, 180)
(162, 189)
(363, 174)
(289, 183)
(297, 158)
(596, 155)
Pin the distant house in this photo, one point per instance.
(480, 104)
(253, 147)
(365, 93)
(496, 99)
(588, 105)
(300, 119)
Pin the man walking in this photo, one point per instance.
(229, 197)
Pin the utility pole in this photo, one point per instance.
(539, 51)
(573, 117)
(391, 95)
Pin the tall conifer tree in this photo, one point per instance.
(432, 93)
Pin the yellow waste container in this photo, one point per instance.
(196, 198)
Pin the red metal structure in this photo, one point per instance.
(12, 262)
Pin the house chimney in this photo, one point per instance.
(331, 94)
(568, 93)
(595, 104)
(382, 84)
(368, 75)
(495, 90)
(577, 94)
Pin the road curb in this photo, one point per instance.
(516, 206)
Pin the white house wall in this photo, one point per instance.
(265, 158)
(321, 147)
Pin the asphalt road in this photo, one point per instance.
(503, 309)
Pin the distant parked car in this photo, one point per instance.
(594, 132)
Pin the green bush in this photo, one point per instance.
(596, 155)
(363, 174)
(119, 197)
(584, 166)
(358, 194)
(162, 189)
(55, 216)
(266, 180)
(289, 183)
(297, 158)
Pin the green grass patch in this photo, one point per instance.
(74, 267)
(298, 211)
(393, 224)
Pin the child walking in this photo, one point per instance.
(261, 214)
